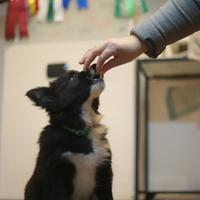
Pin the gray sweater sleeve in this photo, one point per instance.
(175, 20)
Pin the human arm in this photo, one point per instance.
(118, 51)
(174, 20)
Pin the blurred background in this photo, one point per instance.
(61, 36)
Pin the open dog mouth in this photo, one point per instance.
(92, 75)
(97, 82)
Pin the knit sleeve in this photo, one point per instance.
(175, 20)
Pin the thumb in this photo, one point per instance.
(111, 64)
(105, 55)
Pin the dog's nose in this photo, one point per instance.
(86, 75)
(92, 71)
(93, 67)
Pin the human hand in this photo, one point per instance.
(113, 53)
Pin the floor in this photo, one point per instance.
(174, 197)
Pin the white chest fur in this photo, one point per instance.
(86, 165)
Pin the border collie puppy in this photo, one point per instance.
(74, 161)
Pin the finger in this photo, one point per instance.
(110, 64)
(90, 57)
(82, 60)
(105, 55)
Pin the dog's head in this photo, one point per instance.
(70, 91)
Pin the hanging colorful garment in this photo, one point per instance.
(23, 18)
(82, 4)
(11, 19)
(127, 8)
(50, 13)
(124, 8)
(43, 9)
(36, 5)
(144, 6)
(16, 15)
(32, 7)
(66, 4)
(130, 8)
(58, 11)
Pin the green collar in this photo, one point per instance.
(81, 132)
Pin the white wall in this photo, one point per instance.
(1, 71)
(25, 67)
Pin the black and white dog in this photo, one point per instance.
(74, 161)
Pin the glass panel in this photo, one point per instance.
(170, 68)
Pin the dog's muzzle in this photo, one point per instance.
(92, 75)
(98, 83)
(92, 72)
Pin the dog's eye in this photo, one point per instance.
(73, 77)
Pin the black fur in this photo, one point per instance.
(53, 175)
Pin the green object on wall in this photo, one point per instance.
(144, 6)
(127, 8)
(130, 7)
(50, 14)
(117, 8)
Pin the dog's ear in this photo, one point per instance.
(41, 96)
